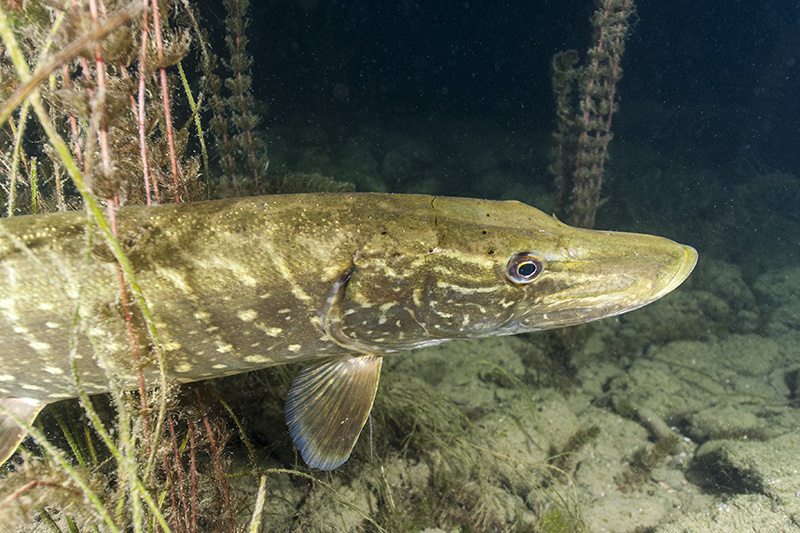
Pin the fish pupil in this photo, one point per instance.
(527, 269)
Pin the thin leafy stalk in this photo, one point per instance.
(125, 455)
(140, 115)
(242, 101)
(198, 124)
(165, 99)
(213, 85)
(71, 440)
(73, 120)
(112, 204)
(47, 519)
(255, 522)
(34, 186)
(23, 120)
(99, 102)
(218, 461)
(15, 155)
(193, 466)
(73, 527)
(179, 468)
(251, 451)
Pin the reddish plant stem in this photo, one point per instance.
(84, 62)
(605, 135)
(179, 468)
(140, 115)
(73, 121)
(580, 184)
(175, 515)
(112, 204)
(240, 83)
(112, 218)
(102, 131)
(32, 485)
(173, 160)
(217, 460)
(193, 466)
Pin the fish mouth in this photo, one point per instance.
(626, 283)
(686, 268)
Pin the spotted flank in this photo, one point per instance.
(337, 280)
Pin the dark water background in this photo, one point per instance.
(455, 98)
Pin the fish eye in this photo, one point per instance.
(523, 268)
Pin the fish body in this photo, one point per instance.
(341, 279)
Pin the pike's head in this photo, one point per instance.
(473, 268)
(426, 270)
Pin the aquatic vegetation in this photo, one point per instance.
(139, 463)
(557, 521)
(241, 102)
(294, 182)
(586, 102)
(644, 460)
(100, 95)
(562, 459)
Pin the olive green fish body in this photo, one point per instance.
(238, 285)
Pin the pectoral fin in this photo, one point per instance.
(11, 433)
(328, 405)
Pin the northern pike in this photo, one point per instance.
(340, 280)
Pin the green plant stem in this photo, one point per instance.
(255, 522)
(19, 134)
(126, 457)
(71, 440)
(34, 186)
(199, 125)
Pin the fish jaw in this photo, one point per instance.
(601, 274)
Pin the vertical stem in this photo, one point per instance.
(73, 121)
(112, 218)
(96, 215)
(250, 150)
(212, 84)
(165, 99)
(140, 115)
(217, 460)
(15, 157)
(179, 468)
(60, 204)
(34, 186)
(193, 466)
(102, 131)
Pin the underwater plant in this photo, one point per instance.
(585, 105)
(95, 75)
